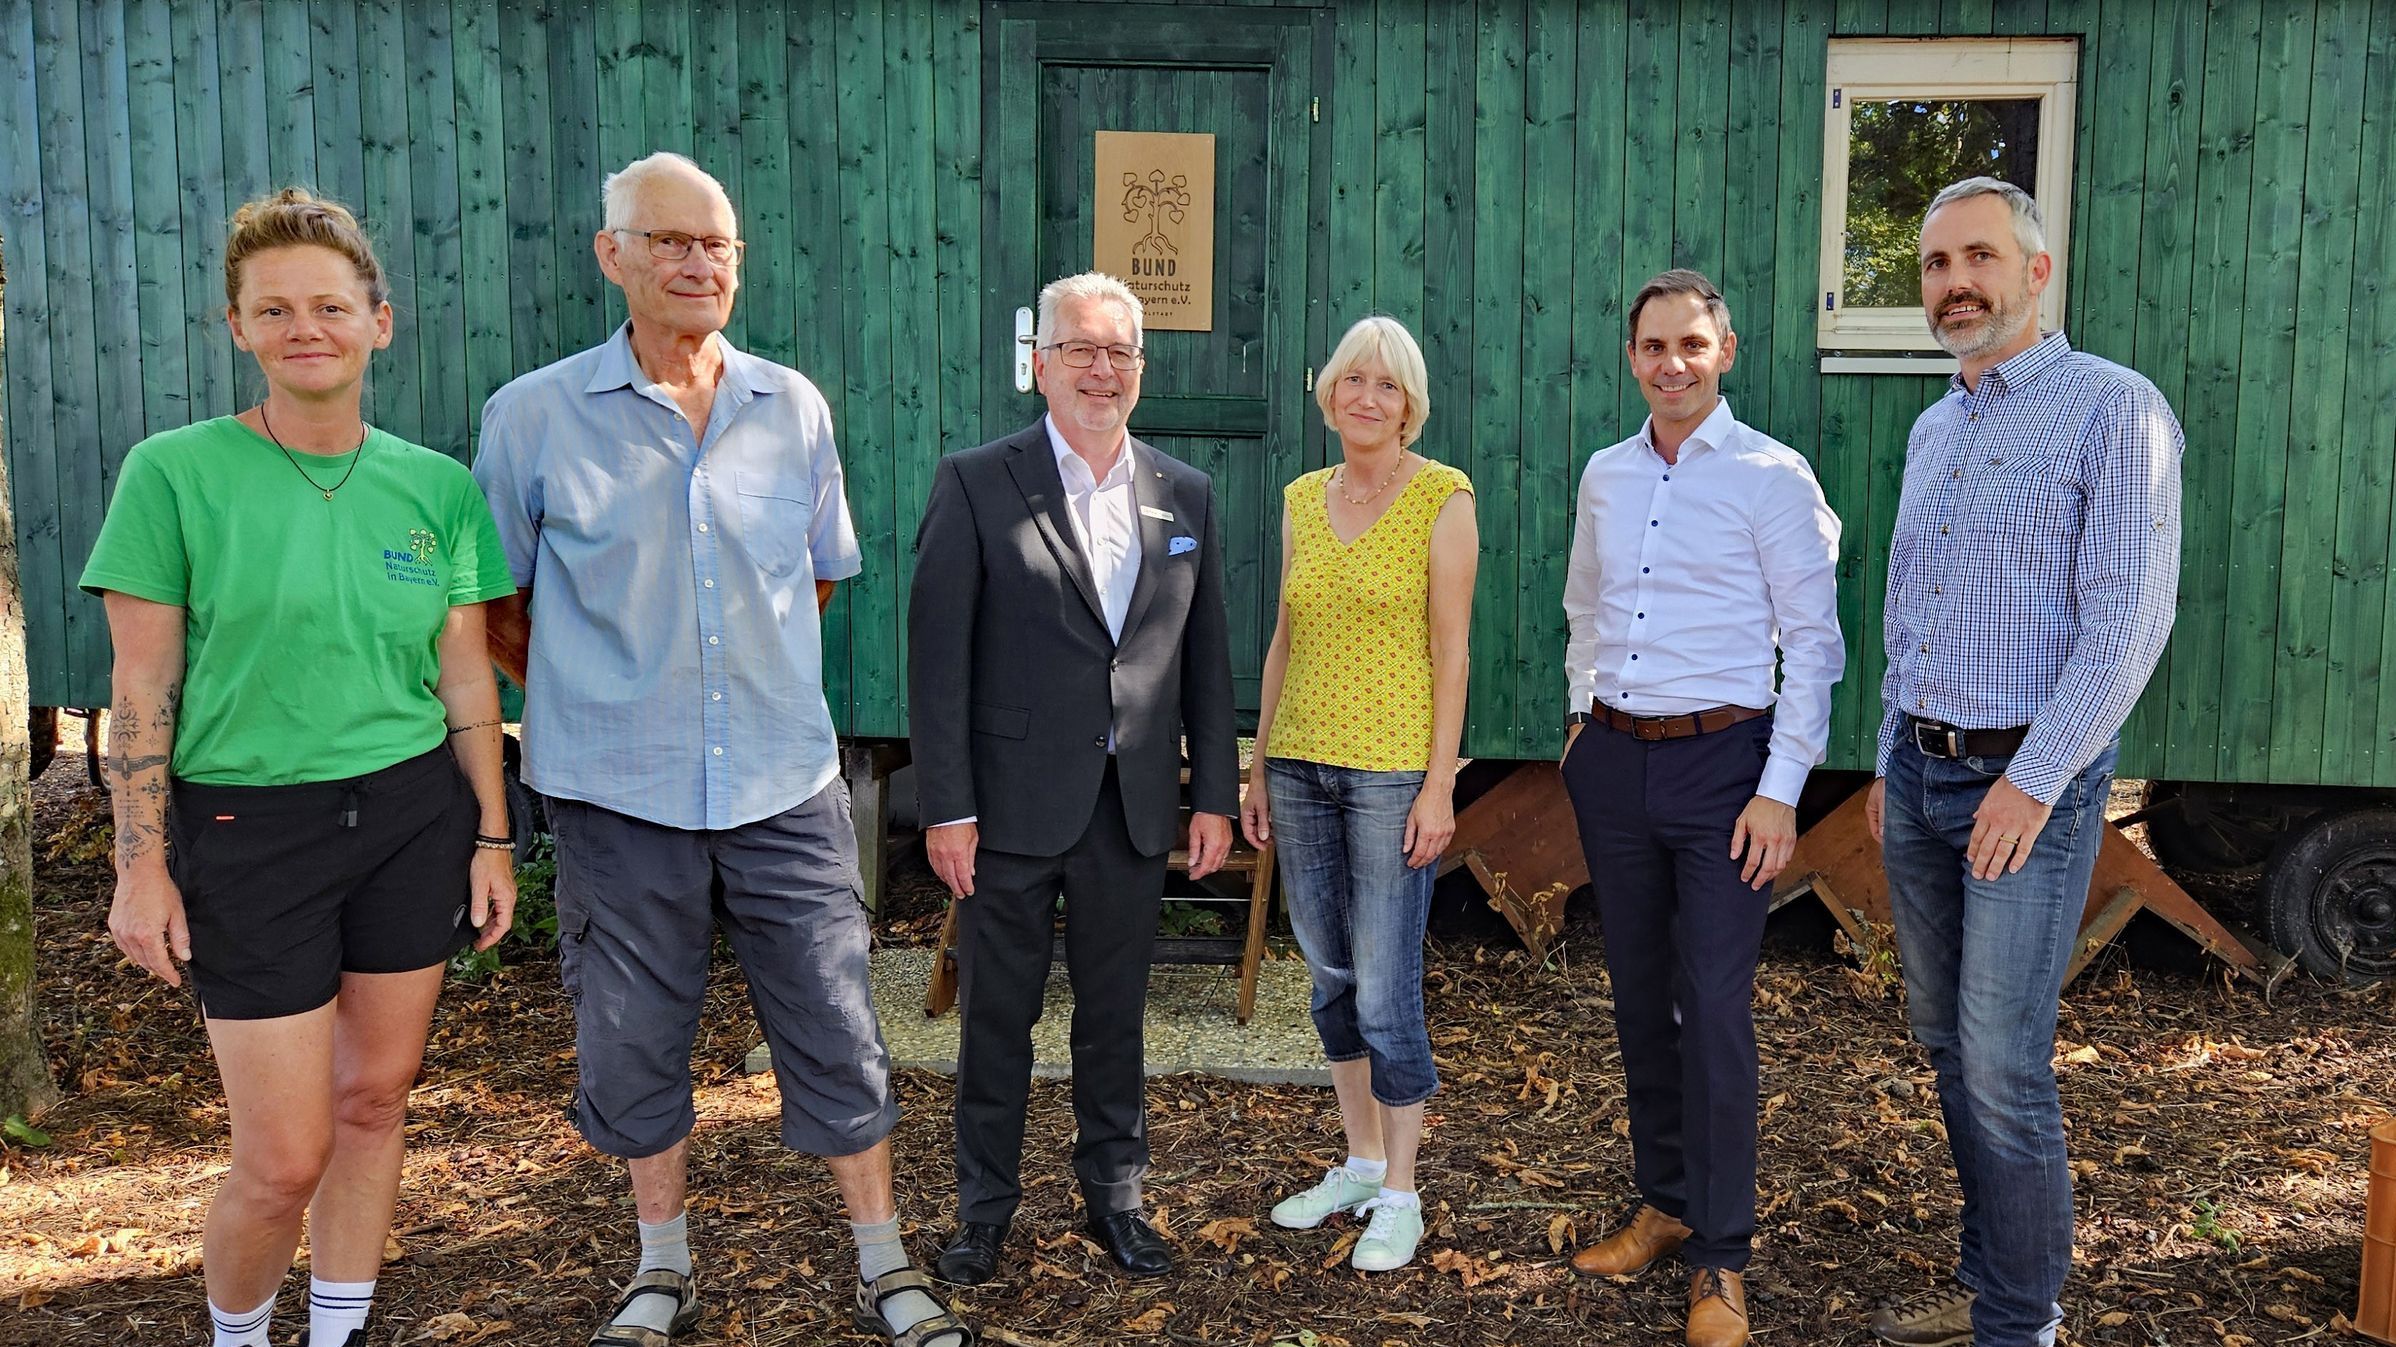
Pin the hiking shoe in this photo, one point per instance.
(1339, 1191)
(1389, 1237)
(1940, 1321)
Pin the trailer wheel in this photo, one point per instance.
(2329, 896)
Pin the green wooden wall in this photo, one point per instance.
(1503, 172)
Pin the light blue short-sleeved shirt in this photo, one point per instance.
(676, 669)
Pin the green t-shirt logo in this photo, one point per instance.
(413, 566)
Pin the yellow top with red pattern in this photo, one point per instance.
(1357, 689)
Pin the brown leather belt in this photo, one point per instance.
(1685, 726)
(1941, 740)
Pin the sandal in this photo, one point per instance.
(657, 1282)
(944, 1325)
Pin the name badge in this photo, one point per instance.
(1154, 513)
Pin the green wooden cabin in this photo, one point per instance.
(1499, 174)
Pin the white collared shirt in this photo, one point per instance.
(1106, 524)
(1687, 577)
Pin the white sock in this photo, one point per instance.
(247, 1329)
(1371, 1171)
(1398, 1197)
(665, 1245)
(335, 1309)
(879, 1253)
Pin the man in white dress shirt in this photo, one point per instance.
(1702, 551)
(1066, 633)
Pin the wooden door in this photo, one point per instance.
(1234, 400)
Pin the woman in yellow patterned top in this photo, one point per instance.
(1356, 770)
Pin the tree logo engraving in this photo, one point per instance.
(1162, 200)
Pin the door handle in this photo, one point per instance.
(1023, 350)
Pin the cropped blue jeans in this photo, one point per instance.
(1359, 912)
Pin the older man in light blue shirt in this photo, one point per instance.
(669, 575)
(673, 513)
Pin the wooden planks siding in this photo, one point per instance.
(1501, 173)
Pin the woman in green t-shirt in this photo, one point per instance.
(305, 755)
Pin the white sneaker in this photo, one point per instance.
(1339, 1191)
(1389, 1238)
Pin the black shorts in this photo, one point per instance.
(286, 888)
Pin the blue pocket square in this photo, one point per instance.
(1179, 545)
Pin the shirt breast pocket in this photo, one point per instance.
(2029, 505)
(775, 512)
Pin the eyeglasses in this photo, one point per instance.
(672, 245)
(1084, 354)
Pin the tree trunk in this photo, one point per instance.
(25, 1085)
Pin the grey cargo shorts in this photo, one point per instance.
(637, 908)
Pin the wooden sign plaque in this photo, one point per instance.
(1155, 214)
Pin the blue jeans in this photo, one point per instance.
(1984, 963)
(1359, 911)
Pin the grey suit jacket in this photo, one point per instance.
(1013, 680)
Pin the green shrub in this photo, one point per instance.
(1188, 919)
(534, 934)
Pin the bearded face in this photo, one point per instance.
(1980, 286)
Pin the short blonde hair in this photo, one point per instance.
(296, 218)
(1089, 286)
(1380, 337)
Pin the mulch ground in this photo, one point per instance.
(2219, 1145)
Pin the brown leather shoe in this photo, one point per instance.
(1717, 1309)
(1634, 1248)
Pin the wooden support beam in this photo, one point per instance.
(868, 765)
(1838, 862)
(1522, 841)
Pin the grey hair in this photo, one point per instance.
(1088, 286)
(621, 193)
(2029, 227)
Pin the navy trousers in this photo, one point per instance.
(1682, 934)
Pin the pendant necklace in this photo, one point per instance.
(356, 455)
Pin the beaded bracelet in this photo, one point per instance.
(489, 843)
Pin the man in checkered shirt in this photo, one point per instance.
(2031, 583)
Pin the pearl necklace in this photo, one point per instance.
(1340, 478)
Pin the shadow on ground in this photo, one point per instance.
(2218, 1145)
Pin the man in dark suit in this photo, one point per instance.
(1065, 632)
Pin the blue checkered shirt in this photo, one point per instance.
(2036, 559)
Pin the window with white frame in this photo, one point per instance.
(1906, 117)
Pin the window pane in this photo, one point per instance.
(1899, 154)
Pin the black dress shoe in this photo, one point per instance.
(971, 1257)
(1132, 1243)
